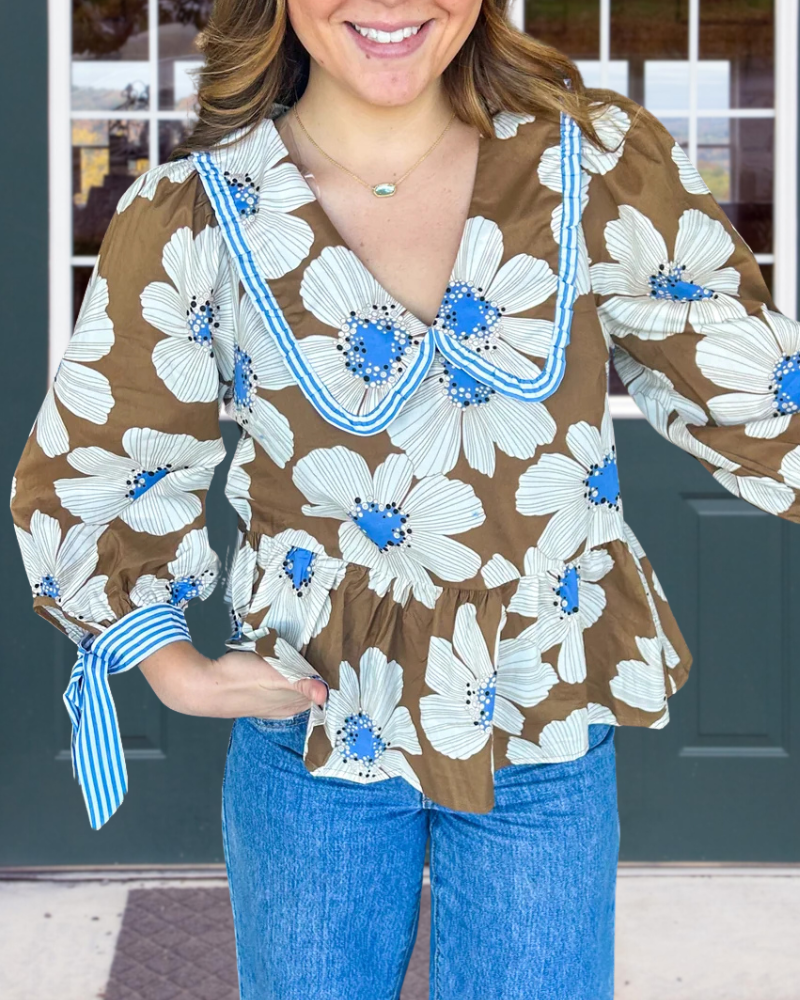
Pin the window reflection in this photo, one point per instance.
(652, 38)
(80, 282)
(110, 68)
(170, 134)
(572, 26)
(741, 35)
(180, 21)
(106, 157)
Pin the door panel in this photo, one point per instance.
(720, 782)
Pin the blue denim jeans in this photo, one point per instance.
(325, 877)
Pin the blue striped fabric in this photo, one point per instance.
(381, 416)
(98, 761)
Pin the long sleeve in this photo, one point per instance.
(108, 496)
(695, 335)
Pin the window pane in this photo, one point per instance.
(179, 24)
(750, 175)
(738, 38)
(109, 55)
(169, 135)
(106, 156)
(80, 281)
(572, 26)
(652, 38)
(679, 127)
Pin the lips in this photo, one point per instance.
(387, 40)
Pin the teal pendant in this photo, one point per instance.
(384, 190)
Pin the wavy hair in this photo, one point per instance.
(255, 61)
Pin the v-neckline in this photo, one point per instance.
(316, 207)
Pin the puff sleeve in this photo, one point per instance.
(108, 496)
(694, 333)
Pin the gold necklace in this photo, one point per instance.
(387, 188)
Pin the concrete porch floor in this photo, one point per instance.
(683, 933)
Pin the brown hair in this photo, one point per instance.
(254, 61)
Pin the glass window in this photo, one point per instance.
(716, 96)
(132, 100)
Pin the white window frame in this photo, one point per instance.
(784, 258)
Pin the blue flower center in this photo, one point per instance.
(374, 346)
(462, 389)
(786, 385)
(467, 314)
(567, 591)
(183, 590)
(360, 740)
(669, 283)
(48, 586)
(145, 480)
(201, 318)
(384, 524)
(480, 701)
(602, 483)
(299, 567)
(245, 194)
(244, 380)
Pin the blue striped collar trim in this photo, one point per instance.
(378, 419)
(98, 761)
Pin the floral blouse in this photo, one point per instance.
(430, 517)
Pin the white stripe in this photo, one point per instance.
(98, 760)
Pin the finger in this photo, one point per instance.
(314, 690)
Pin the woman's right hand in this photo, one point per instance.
(237, 684)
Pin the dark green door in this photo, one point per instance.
(720, 782)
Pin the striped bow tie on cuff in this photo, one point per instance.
(98, 761)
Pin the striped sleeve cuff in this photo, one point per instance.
(98, 761)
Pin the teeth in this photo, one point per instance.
(386, 37)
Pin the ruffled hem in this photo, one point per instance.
(508, 674)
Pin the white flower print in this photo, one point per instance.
(398, 531)
(73, 631)
(561, 740)
(239, 595)
(655, 395)
(62, 569)
(193, 573)
(146, 183)
(688, 172)
(480, 306)
(264, 193)
(760, 359)
(599, 715)
(506, 123)
(565, 598)
(237, 485)
(81, 390)
(790, 468)
(375, 339)
(251, 360)
(451, 409)
(640, 683)
(195, 313)
(151, 488)
(369, 730)
(582, 493)
(611, 125)
(654, 295)
(471, 694)
(671, 657)
(298, 577)
(768, 494)
(294, 667)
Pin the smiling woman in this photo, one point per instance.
(439, 613)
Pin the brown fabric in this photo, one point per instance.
(511, 191)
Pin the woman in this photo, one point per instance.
(439, 612)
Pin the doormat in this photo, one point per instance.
(178, 944)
